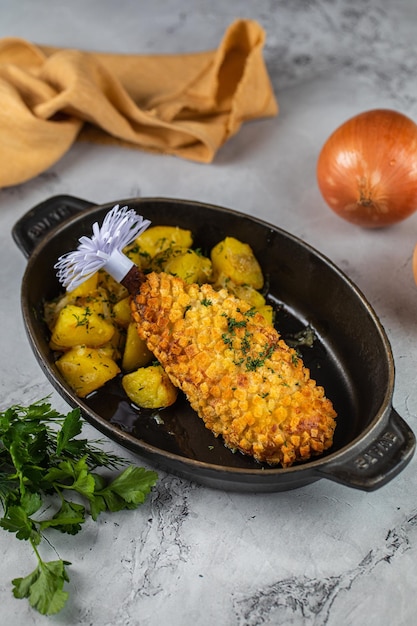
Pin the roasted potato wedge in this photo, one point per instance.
(155, 240)
(86, 369)
(190, 266)
(236, 260)
(80, 326)
(122, 313)
(136, 353)
(149, 387)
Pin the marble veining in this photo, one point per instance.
(302, 53)
(308, 601)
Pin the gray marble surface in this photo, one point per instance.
(321, 555)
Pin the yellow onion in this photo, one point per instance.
(367, 169)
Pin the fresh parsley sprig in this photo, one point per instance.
(42, 465)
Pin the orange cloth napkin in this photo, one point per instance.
(186, 104)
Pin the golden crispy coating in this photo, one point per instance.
(238, 375)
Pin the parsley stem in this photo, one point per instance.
(36, 551)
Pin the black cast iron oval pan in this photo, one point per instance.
(350, 356)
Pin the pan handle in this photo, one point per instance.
(36, 224)
(380, 462)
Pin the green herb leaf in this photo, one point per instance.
(126, 491)
(68, 519)
(41, 462)
(44, 587)
(17, 521)
(70, 428)
(31, 502)
(134, 484)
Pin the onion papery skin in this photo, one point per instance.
(367, 169)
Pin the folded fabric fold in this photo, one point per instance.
(186, 105)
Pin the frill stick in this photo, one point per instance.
(104, 250)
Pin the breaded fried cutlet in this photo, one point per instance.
(240, 377)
